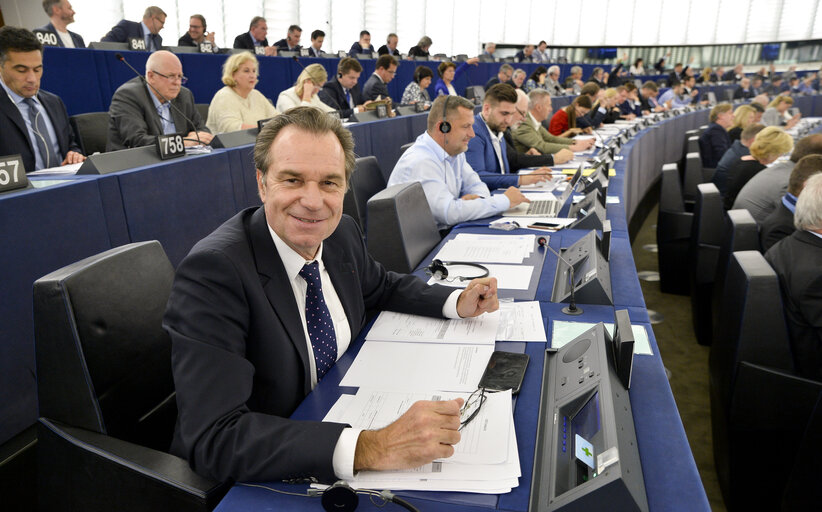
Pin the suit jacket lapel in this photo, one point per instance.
(8, 108)
(179, 121)
(277, 288)
(343, 277)
(154, 119)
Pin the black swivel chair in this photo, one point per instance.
(92, 131)
(673, 231)
(105, 390)
(703, 252)
(691, 177)
(759, 407)
(366, 180)
(401, 228)
(202, 108)
(405, 147)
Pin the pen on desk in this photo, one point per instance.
(544, 228)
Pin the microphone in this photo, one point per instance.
(122, 59)
(571, 308)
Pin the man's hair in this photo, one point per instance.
(553, 69)
(364, 33)
(48, 4)
(808, 213)
(630, 86)
(507, 68)
(254, 21)
(443, 67)
(589, 89)
(751, 131)
(770, 143)
(674, 83)
(536, 96)
(294, 28)
(389, 36)
(347, 64)
(425, 42)
(307, 119)
(317, 33)
(541, 42)
(518, 72)
(233, 63)
(678, 64)
(500, 92)
(804, 169)
(435, 115)
(756, 106)
(422, 72)
(575, 70)
(201, 18)
(15, 39)
(651, 86)
(808, 145)
(719, 109)
(152, 11)
(386, 61)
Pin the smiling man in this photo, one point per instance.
(140, 111)
(264, 306)
(33, 122)
(196, 32)
(437, 160)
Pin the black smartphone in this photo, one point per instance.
(505, 370)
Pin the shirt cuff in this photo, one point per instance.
(449, 309)
(602, 110)
(343, 458)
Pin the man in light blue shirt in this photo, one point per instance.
(454, 191)
(673, 97)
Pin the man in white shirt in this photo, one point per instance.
(61, 15)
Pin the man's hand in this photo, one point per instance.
(474, 61)
(578, 145)
(427, 431)
(205, 138)
(470, 197)
(480, 296)
(534, 177)
(562, 156)
(210, 37)
(533, 151)
(515, 197)
(73, 157)
(270, 51)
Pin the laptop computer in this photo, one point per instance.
(546, 207)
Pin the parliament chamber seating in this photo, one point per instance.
(366, 180)
(759, 407)
(202, 109)
(92, 131)
(673, 232)
(691, 177)
(105, 389)
(706, 236)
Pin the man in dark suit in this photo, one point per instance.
(503, 75)
(797, 261)
(362, 46)
(255, 39)
(390, 46)
(779, 223)
(33, 122)
(140, 110)
(246, 352)
(377, 84)
(291, 42)
(148, 29)
(61, 15)
(317, 38)
(744, 91)
(526, 54)
(343, 92)
(715, 141)
(197, 33)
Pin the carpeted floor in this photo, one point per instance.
(684, 358)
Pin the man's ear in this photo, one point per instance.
(261, 185)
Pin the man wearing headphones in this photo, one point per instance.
(343, 92)
(34, 123)
(454, 190)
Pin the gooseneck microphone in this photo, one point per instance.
(122, 59)
(571, 308)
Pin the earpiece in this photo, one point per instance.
(339, 75)
(445, 126)
(340, 497)
(437, 270)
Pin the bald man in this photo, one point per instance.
(140, 111)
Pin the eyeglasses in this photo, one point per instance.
(471, 407)
(173, 78)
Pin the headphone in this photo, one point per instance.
(445, 126)
(341, 497)
(437, 269)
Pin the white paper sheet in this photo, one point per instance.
(66, 170)
(521, 321)
(509, 277)
(487, 248)
(413, 366)
(564, 332)
(402, 327)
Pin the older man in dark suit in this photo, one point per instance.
(246, 351)
(148, 29)
(61, 15)
(33, 122)
(255, 39)
(780, 223)
(140, 110)
(797, 261)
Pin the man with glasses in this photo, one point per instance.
(140, 111)
(197, 33)
(376, 87)
(532, 134)
(148, 29)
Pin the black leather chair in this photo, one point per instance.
(673, 231)
(739, 233)
(703, 253)
(803, 491)
(691, 177)
(405, 147)
(366, 180)
(202, 108)
(401, 228)
(759, 407)
(105, 390)
(92, 131)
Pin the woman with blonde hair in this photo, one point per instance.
(769, 144)
(304, 92)
(238, 105)
(777, 113)
(743, 117)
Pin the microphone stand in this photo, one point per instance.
(122, 59)
(572, 308)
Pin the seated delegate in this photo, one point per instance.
(238, 105)
(417, 90)
(449, 73)
(304, 92)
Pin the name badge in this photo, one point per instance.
(137, 43)
(259, 50)
(170, 146)
(382, 111)
(46, 38)
(206, 47)
(12, 173)
(304, 52)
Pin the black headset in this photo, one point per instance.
(445, 126)
(437, 269)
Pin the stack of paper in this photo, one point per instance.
(485, 460)
(487, 248)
